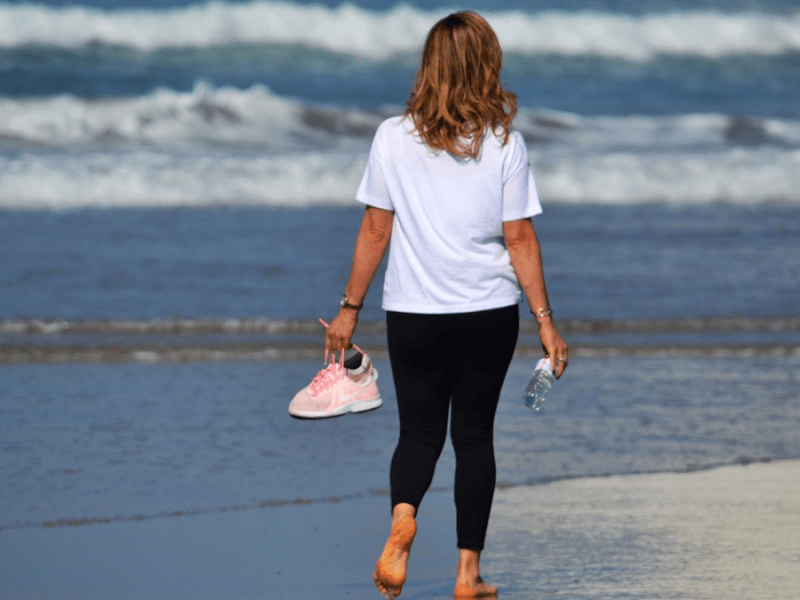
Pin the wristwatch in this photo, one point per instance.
(345, 304)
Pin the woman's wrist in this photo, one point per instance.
(349, 315)
(546, 324)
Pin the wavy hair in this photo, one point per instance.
(458, 93)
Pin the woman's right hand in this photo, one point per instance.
(341, 330)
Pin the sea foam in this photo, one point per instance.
(243, 117)
(151, 178)
(352, 30)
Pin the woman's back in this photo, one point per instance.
(448, 253)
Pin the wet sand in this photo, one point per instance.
(729, 532)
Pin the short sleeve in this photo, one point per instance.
(520, 196)
(373, 190)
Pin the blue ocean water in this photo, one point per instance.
(176, 194)
(602, 262)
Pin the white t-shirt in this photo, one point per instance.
(447, 252)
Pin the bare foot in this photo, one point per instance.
(469, 583)
(474, 589)
(390, 571)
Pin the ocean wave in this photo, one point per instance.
(252, 118)
(156, 179)
(258, 120)
(741, 176)
(225, 146)
(401, 30)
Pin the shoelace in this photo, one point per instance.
(332, 373)
(326, 377)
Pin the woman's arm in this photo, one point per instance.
(371, 243)
(526, 258)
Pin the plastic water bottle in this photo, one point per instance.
(536, 392)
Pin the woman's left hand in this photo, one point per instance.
(554, 346)
(341, 330)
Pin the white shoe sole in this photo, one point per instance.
(350, 407)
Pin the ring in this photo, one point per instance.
(561, 359)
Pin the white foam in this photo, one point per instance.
(147, 178)
(353, 30)
(152, 178)
(740, 175)
(709, 34)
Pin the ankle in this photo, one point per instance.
(468, 567)
(402, 509)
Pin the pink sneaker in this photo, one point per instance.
(341, 387)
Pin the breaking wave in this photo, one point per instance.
(226, 146)
(352, 30)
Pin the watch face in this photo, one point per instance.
(345, 304)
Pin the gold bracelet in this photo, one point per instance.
(541, 313)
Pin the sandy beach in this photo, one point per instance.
(729, 532)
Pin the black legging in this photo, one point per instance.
(438, 361)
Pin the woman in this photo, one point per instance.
(449, 185)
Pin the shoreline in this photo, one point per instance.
(185, 340)
(278, 503)
(158, 354)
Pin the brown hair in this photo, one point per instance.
(458, 93)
